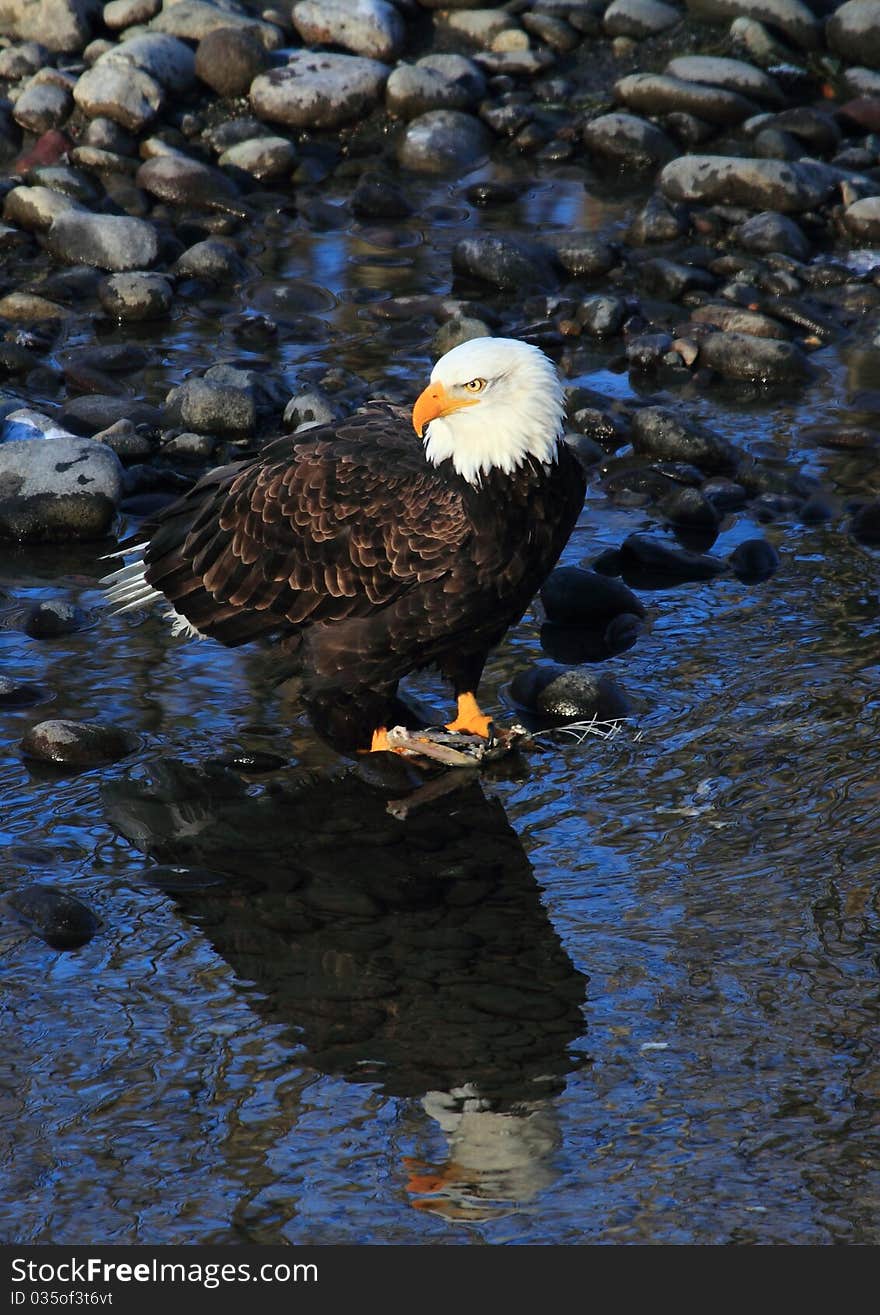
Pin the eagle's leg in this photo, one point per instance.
(470, 720)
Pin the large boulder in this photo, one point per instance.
(58, 488)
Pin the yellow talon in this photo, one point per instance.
(470, 721)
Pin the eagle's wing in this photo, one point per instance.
(325, 526)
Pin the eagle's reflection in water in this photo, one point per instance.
(413, 954)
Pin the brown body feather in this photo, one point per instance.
(347, 541)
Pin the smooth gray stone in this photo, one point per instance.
(110, 242)
(639, 18)
(657, 93)
(58, 488)
(372, 28)
(318, 90)
(757, 184)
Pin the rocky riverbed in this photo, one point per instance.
(220, 223)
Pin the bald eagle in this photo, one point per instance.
(373, 554)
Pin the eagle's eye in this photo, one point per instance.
(475, 385)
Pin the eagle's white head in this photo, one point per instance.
(491, 403)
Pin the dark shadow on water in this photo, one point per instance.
(412, 954)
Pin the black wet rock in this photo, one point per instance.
(769, 506)
(574, 596)
(670, 280)
(178, 880)
(725, 494)
(95, 412)
(818, 509)
(588, 452)
(15, 359)
(214, 259)
(628, 141)
(118, 356)
(770, 231)
(59, 919)
(658, 432)
(77, 743)
(233, 132)
(20, 693)
(609, 562)
(572, 695)
(865, 524)
(572, 645)
(510, 264)
(136, 296)
(183, 181)
(229, 58)
(659, 220)
(581, 255)
(506, 119)
(652, 563)
(754, 560)
(648, 351)
(689, 509)
(491, 192)
(443, 141)
(758, 360)
(817, 131)
(53, 617)
(601, 315)
(774, 144)
(377, 196)
(607, 428)
(105, 135)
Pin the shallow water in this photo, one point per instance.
(619, 991)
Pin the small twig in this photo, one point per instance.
(580, 730)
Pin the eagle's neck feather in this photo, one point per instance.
(479, 444)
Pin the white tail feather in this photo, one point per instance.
(128, 590)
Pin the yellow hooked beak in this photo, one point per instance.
(434, 401)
